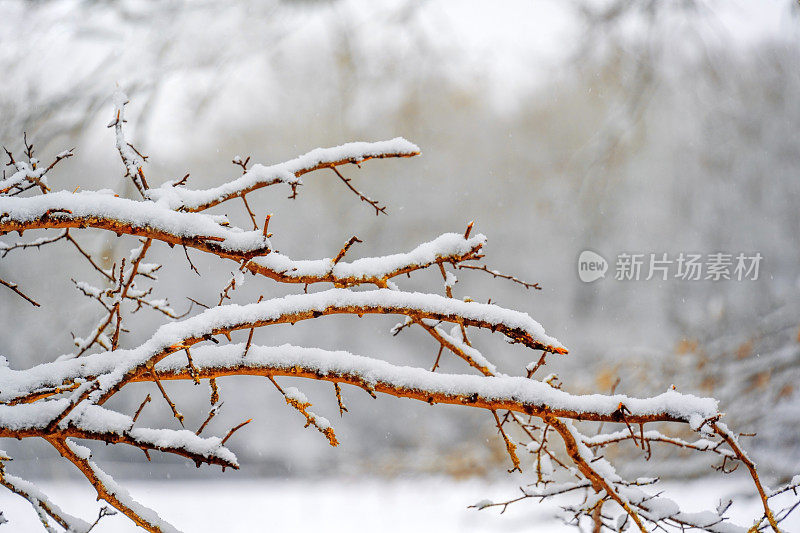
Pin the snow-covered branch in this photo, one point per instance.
(447, 248)
(108, 489)
(89, 421)
(69, 397)
(119, 215)
(182, 199)
(527, 396)
(45, 509)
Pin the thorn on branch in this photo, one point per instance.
(28, 150)
(104, 511)
(141, 406)
(234, 430)
(181, 181)
(265, 232)
(249, 341)
(250, 335)
(192, 369)
(214, 391)
(177, 414)
(60, 157)
(116, 309)
(338, 390)
(191, 265)
(298, 400)
(225, 294)
(211, 414)
(345, 248)
(532, 368)
(238, 161)
(11, 161)
(400, 326)
(250, 212)
(438, 357)
(374, 203)
(144, 157)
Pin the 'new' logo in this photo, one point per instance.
(591, 266)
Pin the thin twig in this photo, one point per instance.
(234, 430)
(346, 247)
(338, 390)
(192, 368)
(723, 431)
(141, 406)
(88, 257)
(214, 391)
(374, 203)
(250, 212)
(438, 357)
(177, 414)
(14, 287)
(511, 448)
(191, 265)
(497, 274)
(211, 414)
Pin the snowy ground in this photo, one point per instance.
(356, 505)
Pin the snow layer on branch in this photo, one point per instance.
(130, 158)
(293, 393)
(30, 416)
(94, 419)
(555, 488)
(446, 245)
(128, 212)
(599, 463)
(345, 300)
(659, 508)
(185, 440)
(288, 172)
(654, 435)
(24, 171)
(118, 492)
(111, 367)
(454, 338)
(39, 500)
(517, 389)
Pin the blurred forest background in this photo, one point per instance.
(646, 126)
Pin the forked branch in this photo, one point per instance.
(66, 399)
